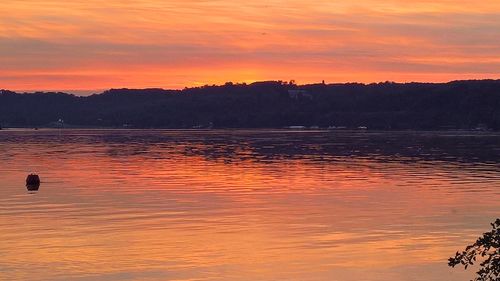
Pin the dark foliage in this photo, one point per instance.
(421, 106)
(486, 248)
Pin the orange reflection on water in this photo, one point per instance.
(187, 207)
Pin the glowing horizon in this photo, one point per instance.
(90, 45)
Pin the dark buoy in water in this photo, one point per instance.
(32, 179)
(33, 182)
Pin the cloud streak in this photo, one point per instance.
(54, 44)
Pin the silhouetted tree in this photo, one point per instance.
(268, 104)
(486, 248)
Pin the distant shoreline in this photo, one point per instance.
(472, 105)
(347, 130)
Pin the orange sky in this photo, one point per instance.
(77, 44)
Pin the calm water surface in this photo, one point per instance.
(243, 205)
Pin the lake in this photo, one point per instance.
(244, 204)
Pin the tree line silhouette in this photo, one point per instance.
(472, 104)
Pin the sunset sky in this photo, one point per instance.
(90, 45)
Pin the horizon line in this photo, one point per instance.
(87, 92)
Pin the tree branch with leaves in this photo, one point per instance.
(487, 250)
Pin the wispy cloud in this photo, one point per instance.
(95, 44)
